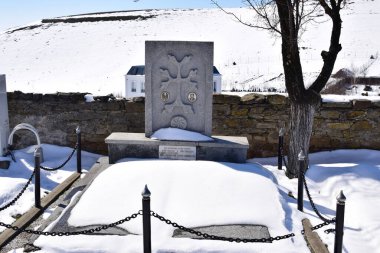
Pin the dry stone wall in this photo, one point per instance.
(348, 125)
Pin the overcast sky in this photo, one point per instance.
(20, 12)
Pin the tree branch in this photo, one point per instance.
(326, 7)
(269, 26)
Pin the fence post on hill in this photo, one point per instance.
(79, 150)
(146, 220)
(339, 223)
(280, 147)
(301, 160)
(37, 178)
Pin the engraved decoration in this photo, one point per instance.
(177, 80)
(178, 122)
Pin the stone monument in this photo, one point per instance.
(4, 120)
(178, 94)
(178, 86)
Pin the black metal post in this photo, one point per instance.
(146, 220)
(37, 178)
(339, 223)
(79, 150)
(301, 160)
(280, 147)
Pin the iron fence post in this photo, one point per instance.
(37, 178)
(280, 148)
(79, 150)
(146, 220)
(301, 160)
(339, 223)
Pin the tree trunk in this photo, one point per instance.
(301, 125)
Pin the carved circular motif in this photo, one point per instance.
(165, 96)
(178, 122)
(192, 97)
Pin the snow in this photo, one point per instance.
(357, 173)
(94, 56)
(200, 193)
(348, 98)
(230, 194)
(176, 134)
(13, 179)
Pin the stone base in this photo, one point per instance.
(136, 145)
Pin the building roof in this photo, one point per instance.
(140, 70)
(215, 71)
(136, 70)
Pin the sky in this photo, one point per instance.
(20, 12)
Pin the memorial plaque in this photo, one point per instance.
(179, 86)
(177, 152)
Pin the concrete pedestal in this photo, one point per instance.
(136, 145)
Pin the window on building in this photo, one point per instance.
(214, 86)
(142, 87)
(133, 87)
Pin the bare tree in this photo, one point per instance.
(288, 19)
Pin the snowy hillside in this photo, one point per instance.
(94, 56)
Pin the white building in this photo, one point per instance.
(135, 81)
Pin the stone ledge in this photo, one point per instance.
(136, 145)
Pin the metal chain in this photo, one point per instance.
(63, 164)
(219, 238)
(312, 202)
(81, 232)
(320, 225)
(330, 230)
(285, 162)
(19, 194)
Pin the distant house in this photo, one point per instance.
(135, 81)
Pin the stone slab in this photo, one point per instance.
(136, 145)
(231, 231)
(312, 238)
(178, 86)
(4, 119)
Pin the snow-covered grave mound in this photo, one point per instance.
(13, 179)
(191, 193)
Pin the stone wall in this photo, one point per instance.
(352, 124)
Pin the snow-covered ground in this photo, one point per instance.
(13, 179)
(200, 193)
(95, 56)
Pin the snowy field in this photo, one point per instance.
(200, 193)
(95, 56)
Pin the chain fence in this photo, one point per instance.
(167, 221)
(81, 232)
(270, 239)
(231, 239)
(64, 163)
(307, 192)
(312, 202)
(13, 201)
